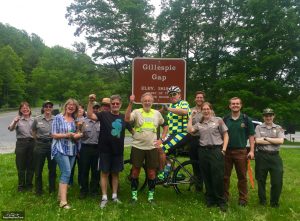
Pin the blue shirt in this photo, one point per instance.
(64, 146)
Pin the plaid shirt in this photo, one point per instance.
(64, 146)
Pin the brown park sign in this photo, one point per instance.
(155, 75)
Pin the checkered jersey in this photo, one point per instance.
(178, 124)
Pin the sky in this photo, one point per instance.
(46, 18)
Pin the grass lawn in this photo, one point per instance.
(170, 206)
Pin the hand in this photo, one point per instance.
(157, 143)
(131, 98)
(251, 155)
(92, 98)
(194, 112)
(16, 119)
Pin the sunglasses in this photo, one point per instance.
(173, 94)
(116, 103)
(48, 106)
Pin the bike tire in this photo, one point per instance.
(184, 181)
(127, 175)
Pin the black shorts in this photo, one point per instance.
(150, 157)
(110, 163)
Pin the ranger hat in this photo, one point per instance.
(105, 100)
(47, 102)
(96, 104)
(268, 111)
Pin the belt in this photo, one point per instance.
(27, 139)
(44, 140)
(270, 152)
(211, 147)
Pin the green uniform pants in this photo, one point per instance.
(272, 163)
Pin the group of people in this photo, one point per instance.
(98, 139)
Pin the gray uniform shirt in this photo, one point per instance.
(23, 128)
(211, 131)
(91, 131)
(274, 131)
(42, 127)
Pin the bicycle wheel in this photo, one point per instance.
(126, 175)
(183, 178)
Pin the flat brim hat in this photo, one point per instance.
(268, 111)
(47, 102)
(96, 104)
(105, 100)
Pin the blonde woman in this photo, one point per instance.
(64, 146)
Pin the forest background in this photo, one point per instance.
(244, 48)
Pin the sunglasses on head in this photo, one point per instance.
(173, 94)
(115, 103)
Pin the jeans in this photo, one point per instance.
(65, 164)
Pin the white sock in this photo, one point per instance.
(114, 196)
(104, 197)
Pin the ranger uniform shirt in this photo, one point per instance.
(91, 130)
(274, 131)
(211, 131)
(144, 139)
(23, 128)
(42, 127)
(177, 123)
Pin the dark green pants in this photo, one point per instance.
(42, 151)
(272, 163)
(212, 168)
(89, 154)
(24, 162)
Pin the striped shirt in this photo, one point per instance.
(64, 146)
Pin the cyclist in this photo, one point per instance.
(177, 117)
(145, 121)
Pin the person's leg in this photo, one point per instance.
(276, 173)
(85, 166)
(95, 176)
(29, 164)
(261, 172)
(115, 183)
(21, 164)
(194, 146)
(39, 161)
(240, 162)
(51, 170)
(228, 162)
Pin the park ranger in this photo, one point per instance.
(268, 138)
(41, 129)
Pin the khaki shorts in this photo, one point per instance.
(151, 158)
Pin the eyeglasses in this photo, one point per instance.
(48, 106)
(173, 94)
(116, 103)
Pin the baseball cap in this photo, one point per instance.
(47, 102)
(95, 104)
(268, 111)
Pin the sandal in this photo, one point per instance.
(64, 205)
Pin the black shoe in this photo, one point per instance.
(262, 203)
(274, 205)
(242, 203)
(82, 195)
(223, 207)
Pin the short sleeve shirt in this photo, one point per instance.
(112, 132)
(90, 131)
(177, 123)
(211, 131)
(145, 139)
(23, 128)
(274, 131)
(239, 131)
(42, 127)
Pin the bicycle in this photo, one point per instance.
(181, 176)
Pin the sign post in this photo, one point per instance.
(155, 75)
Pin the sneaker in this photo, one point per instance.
(134, 195)
(116, 200)
(103, 203)
(161, 176)
(150, 196)
(64, 205)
